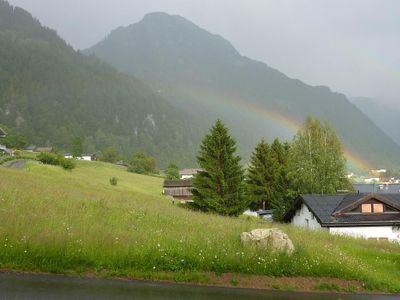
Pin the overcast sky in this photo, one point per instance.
(352, 46)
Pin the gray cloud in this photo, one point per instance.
(351, 46)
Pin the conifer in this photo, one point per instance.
(219, 186)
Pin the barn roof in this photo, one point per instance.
(178, 183)
(189, 171)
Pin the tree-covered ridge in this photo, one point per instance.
(51, 94)
(204, 73)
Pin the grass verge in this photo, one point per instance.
(76, 222)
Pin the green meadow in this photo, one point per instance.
(76, 222)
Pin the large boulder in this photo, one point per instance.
(271, 238)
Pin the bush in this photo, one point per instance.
(67, 164)
(113, 180)
(56, 160)
(142, 164)
(49, 158)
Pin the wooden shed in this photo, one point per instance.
(179, 189)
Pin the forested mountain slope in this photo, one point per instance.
(203, 73)
(386, 117)
(51, 94)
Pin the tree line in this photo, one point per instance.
(277, 173)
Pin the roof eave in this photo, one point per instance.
(361, 224)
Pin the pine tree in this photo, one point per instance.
(283, 195)
(260, 176)
(318, 164)
(219, 187)
(267, 179)
(172, 171)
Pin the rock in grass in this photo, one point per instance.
(272, 238)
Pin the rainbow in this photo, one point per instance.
(293, 124)
(287, 122)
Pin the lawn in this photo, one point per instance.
(60, 221)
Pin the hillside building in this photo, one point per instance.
(367, 215)
(180, 190)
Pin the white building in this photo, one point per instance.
(367, 215)
(87, 157)
(188, 173)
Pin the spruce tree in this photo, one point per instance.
(267, 179)
(283, 195)
(219, 187)
(260, 176)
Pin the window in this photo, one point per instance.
(378, 207)
(312, 217)
(307, 223)
(366, 208)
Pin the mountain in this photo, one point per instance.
(51, 93)
(384, 116)
(203, 74)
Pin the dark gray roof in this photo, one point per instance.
(323, 206)
(178, 183)
(326, 208)
(377, 188)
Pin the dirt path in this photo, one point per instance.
(18, 164)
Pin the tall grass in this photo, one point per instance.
(57, 221)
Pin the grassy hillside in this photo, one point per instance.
(58, 221)
(203, 73)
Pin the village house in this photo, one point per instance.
(43, 149)
(2, 133)
(188, 173)
(367, 215)
(180, 190)
(3, 149)
(87, 157)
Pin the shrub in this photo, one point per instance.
(49, 158)
(56, 160)
(113, 180)
(67, 164)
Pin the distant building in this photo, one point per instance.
(30, 148)
(188, 173)
(377, 188)
(43, 149)
(179, 189)
(2, 133)
(367, 215)
(5, 151)
(262, 213)
(87, 157)
(379, 171)
(372, 180)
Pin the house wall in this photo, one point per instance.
(385, 232)
(302, 215)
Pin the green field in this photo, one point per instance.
(76, 222)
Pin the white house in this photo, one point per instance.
(367, 215)
(87, 157)
(188, 173)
